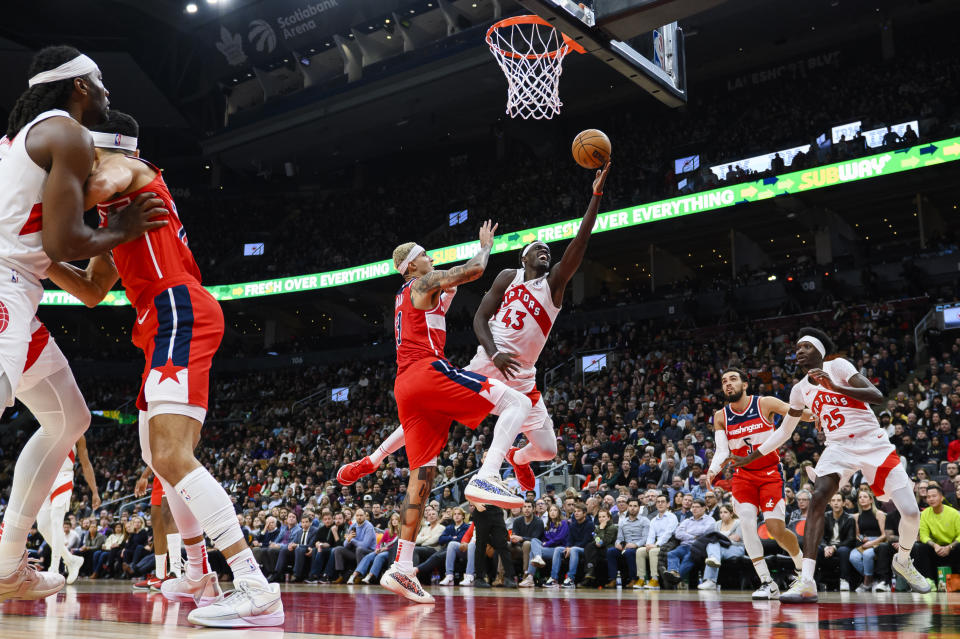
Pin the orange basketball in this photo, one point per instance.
(591, 148)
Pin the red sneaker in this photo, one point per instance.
(155, 586)
(350, 473)
(523, 471)
(147, 583)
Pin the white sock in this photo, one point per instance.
(390, 445)
(405, 555)
(906, 503)
(762, 570)
(541, 446)
(513, 408)
(808, 569)
(58, 405)
(160, 565)
(211, 506)
(174, 544)
(245, 567)
(797, 560)
(197, 564)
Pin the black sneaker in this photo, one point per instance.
(481, 583)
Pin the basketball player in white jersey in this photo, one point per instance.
(839, 397)
(46, 158)
(55, 507)
(739, 427)
(512, 323)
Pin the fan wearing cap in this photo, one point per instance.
(839, 397)
(47, 155)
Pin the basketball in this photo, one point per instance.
(591, 148)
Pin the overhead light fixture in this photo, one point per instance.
(211, 1)
(192, 7)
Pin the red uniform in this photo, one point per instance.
(157, 494)
(179, 324)
(761, 482)
(431, 392)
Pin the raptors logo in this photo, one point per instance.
(4, 317)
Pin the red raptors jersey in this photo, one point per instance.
(419, 334)
(746, 431)
(158, 259)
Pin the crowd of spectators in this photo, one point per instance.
(412, 198)
(640, 428)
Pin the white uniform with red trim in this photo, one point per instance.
(23, 262)
(521, 326)
(855, 440)
(63, 486)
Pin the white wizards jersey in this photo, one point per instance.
(21, 212)
(522, 323)
(841, 417)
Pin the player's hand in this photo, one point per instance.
(139, 490)
(95, 501)
(506, 364)
(740, 462)
(821, 377)
(486, 234)
(138, 217)
(601, 178)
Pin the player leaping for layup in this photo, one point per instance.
(839, 396)
(743, 424)
(513, 323)
(432, 393)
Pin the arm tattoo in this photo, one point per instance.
(457, 275)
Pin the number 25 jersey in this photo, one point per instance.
(523, 322)
(841, 417)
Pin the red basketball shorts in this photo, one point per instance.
(157, 494)
(179, 334)
(431, 395)
(761, 488)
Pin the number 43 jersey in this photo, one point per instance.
(841, 417)
(522, 323)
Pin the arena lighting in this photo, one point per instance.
(192, 7)
(872, 166)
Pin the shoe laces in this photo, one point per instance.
(240, 592)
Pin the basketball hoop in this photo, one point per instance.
(530, 52)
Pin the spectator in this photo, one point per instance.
(939, 536)
(372, 564)
(800, 513)
(452, 547)
(632, 532)
(360, 541)
(839, 537)
(661, 531)
(528, 531)
(870, 526)
(728, 525)
(332, 531)
(491, 531)
(428, 539)
(604, 537)
(297, 550)
(104, 558)
(697, 525)
(579, 534)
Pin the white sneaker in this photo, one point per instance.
(862, 588)
(714, 563)
(405, 585)
(538, 561)
(492, 491)
(527, 582)
(918, 583)
(250, 605)
(881, 586)
(767, 590)
(551, 583)
(801, 592)
(28, 582)
(569, 583)
(352, 580)
(447, 581)
(708, 584)
(467, 580)
(74, 564)
(844, 585)
(203, 591)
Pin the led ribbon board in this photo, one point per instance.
(907, 159)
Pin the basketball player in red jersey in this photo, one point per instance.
(840, 396)
(168, 562)
(742, 425)
(179, 326)
(45, 159)
(512, 324)
(432, 393)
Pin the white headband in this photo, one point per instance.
(414, 253)
(527, 250)
(817, 344)
(79, 66)
(113, 141)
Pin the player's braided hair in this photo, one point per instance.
(119, 122)
(820, 335)
(45, 96)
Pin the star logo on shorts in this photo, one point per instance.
(169, 371)
(485, 386)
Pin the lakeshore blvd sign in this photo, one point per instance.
(916, 157)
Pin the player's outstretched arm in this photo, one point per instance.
(65, 149)
(722, 452)
(563, 270)
(481, 324)
(87, 469)
(89, 285)
(426, 289)
(770, 405)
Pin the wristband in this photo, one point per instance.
(597, 193)
(494, 356)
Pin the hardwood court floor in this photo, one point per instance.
(108, 610)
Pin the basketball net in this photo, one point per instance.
(530, 52)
